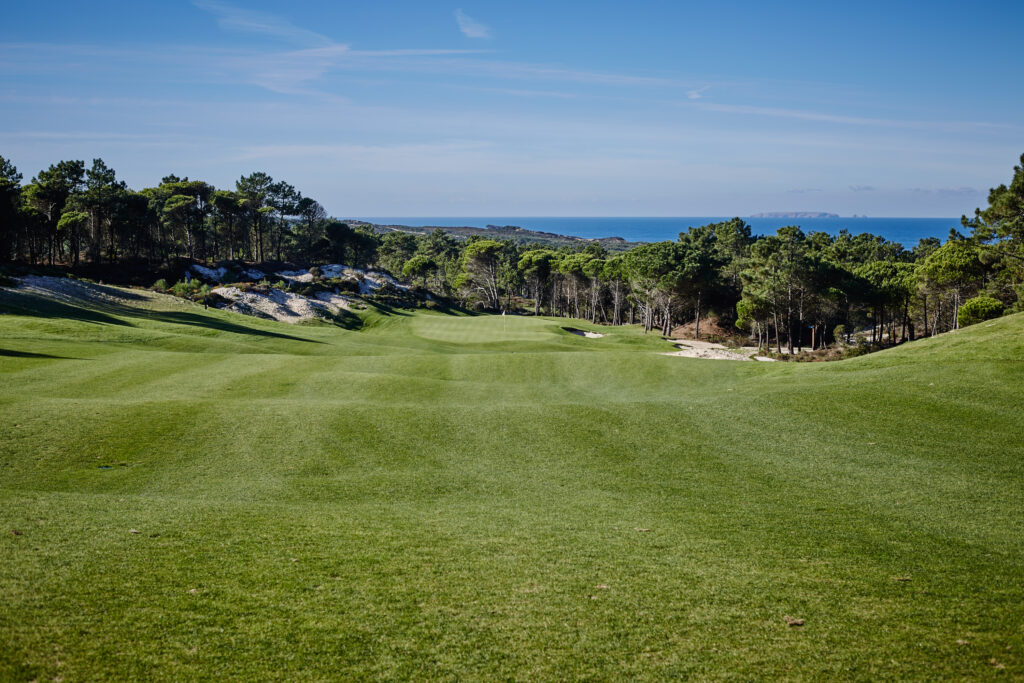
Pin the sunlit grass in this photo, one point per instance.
(439, 497)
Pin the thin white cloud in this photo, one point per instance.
(805, 115)
(696, 93)
(355, 151)
(288, 72)
(84, 135)
(239, 19)
(529, 71)
(529, 93)
(470, 27)
(221, 63)
(414, 52)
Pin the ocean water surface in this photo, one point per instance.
(906, 231)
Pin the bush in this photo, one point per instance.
(346, 284)
(160, 285)
(233, 272)
(977, 309)
(840, 334)
(860, 349)
(193, 290)
(316, 272)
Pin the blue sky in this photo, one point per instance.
(530, 108)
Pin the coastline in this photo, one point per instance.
(622, 232)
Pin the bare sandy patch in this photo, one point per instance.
(692, 348)
(283, 306)
(209, 274)
(69, 290)
(369, 280)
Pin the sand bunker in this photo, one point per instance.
(211, 274)
(701, 349)
(69, 290)
(283, 306)
(369, 280)
(218, 274)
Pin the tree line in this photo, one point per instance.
(792, 289)
(70, 213)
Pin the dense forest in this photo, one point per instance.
(792, 289)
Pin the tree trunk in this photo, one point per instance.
(789, 318)
(800, 324)
(775, 317)
(924, 300)
(696, 324)
(956, 309)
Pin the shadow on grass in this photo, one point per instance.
(93, 289)
(347, 320)
(32, 305)
(385, 309)
(10, 353)
(449, 307)
(41, 307)
(195, 320)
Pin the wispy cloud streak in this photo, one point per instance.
(470, 27)
(805, 115)
(239, 19)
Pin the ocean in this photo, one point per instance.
(906, 231)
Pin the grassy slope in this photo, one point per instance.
(444, 497)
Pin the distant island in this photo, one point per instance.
(795, 214)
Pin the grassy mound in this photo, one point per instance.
(190, 494)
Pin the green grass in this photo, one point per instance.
(439, 497)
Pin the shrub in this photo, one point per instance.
(160, 285)
(213, 299)
(233, 273)
(839, 333)
(316, 272)
(193, 290)
(346, 284)
(977, 309)
(858, 350)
